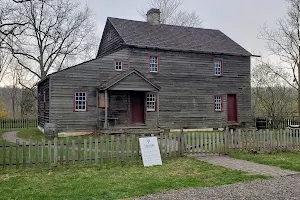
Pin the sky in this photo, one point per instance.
(241, 20)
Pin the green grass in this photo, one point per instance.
(32, 134)
(115, 182)
(285, 160)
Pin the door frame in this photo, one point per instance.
(144, 105)
(236, 107)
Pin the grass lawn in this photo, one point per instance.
(285, 160)
(115, 182)
(32, 134)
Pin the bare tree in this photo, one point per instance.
(5, 60)
(272, 97)
(171, 13)
(284, 42)
(56, 30)
(10, 22)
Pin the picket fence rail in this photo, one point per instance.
(251, 141)
(94, 150)
(125, 148)
(18, 123)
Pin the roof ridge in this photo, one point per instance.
(165, 24)
(165, 36)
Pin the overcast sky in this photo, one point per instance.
(241, 20)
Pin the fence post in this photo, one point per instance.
(61, 152)
(24, 154)
(73, 152)
(112, 147)
(36, 154)
(226, 146)
(84, 150)
(30, 153)
(55, 152)
(17, 153)
(43, 151)
(3, 154)
(49, 153)
(67, 151)
(122, 147)
(91, 150)
(79, 149)
(96, 150)
(10, 155)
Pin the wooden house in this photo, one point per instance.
(149, 75)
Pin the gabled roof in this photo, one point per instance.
(176, 38)
(118, 78)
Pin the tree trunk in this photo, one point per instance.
(298, 93)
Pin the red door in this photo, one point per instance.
(137, 100)
(232, 108)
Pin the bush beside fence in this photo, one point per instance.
(18, 123)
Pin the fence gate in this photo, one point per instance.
(205, 143)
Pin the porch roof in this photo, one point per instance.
(129, 80)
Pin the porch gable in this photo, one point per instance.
(131, 80)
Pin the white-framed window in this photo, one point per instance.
(218, 67)
(151, 102)
(153, 63)
(218, 103)
(118, 65)
(80, 101)
(108, 35)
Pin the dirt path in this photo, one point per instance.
(12, 137)
(243, 165)
(284, 187)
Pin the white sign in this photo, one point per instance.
(150, 151)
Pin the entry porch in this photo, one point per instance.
(128, 101)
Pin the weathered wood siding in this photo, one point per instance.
(187, 82)
(86, 76)
(43, 104)
(133, 82)
(188, 86)
(109, 46)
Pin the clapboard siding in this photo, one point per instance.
(109, 46)
(187, 82)
(188, 86)
(87, 76)
(43, 102)
(133, 82)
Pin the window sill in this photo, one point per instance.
(151, 110)
(218, 111)
(80, 111)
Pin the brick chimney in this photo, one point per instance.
(153, 16)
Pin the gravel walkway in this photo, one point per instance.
(12, 137)
(243, 165)
(285, 187)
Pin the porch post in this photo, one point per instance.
(106, 109)
(157, 107)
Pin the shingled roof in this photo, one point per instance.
(176, 38)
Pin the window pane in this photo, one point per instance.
(80, 101)
(218, 103)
